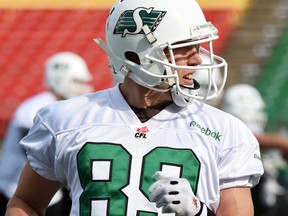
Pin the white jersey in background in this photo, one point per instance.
(115, 155)
(13, 156)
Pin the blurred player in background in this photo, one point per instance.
(271, 195)
(106, 146)
(66, 76)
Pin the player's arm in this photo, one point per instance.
(273, 141)
(33, 194)
(236, 202)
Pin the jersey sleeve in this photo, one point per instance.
(240, 161)
(39, 145)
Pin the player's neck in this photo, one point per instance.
(141, 97)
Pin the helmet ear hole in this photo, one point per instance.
(132, 56)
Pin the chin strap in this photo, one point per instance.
(181, 100)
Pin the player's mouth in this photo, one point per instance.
(188, 76)
(187, 79)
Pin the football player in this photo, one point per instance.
(271, 195)
(147, 146)
(66, 76)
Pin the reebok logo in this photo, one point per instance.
(207, 131)
(256, 156)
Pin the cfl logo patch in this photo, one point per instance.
(142, 132)
(140, 135)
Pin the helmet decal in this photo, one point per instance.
(131, 22)
(61, 66)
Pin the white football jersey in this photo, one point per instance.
(96, 146)
(13, 157)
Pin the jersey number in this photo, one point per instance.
(104, 170)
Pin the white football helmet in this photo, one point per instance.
(246, 103)
(147, 28)
(67, 75)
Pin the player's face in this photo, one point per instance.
(185, 56)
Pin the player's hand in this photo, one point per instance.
(174, 195)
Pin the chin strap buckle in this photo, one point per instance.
(149, 35)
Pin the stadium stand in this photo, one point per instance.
(251, 42)
(257, 54)
(31, 30)
(273, 83)
(30, 36)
